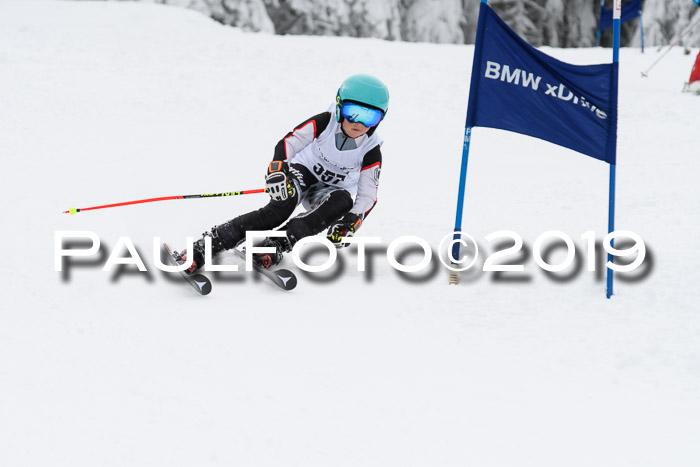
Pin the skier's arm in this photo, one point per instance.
(369, 183)
(302, 136)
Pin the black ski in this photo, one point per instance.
(282, 278)
(200, 282)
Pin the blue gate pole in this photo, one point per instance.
(611, 228)
(600, 18)
(460, 194)
(471, 107)
(611, 199)
(641, 28)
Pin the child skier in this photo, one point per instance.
(330, 163)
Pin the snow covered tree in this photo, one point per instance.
(433, 21)
(525, 17)
(249, 15)
(558, 23)
(370, 18)
(665, 20)
(310, 17)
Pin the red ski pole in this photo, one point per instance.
(72, 211)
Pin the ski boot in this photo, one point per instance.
(198, 250)
(197, 257)
(268, 260)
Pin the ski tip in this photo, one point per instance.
(202, 283)
(288, 280)
(71, 211)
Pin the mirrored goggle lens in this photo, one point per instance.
(368, 116)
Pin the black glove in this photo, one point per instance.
(278, 183)
(346, 226)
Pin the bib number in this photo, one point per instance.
(327, 176)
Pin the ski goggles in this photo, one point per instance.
(368, 116)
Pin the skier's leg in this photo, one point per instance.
(333, 204)
(267, 218)
(230, 234)
(233, 232)
(336, 203)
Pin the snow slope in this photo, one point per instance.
(108, 102)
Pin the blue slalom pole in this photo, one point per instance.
(600, 17)
(611, 228)
(641, 28)
(611, 199)
(471, 106)
(460, 194)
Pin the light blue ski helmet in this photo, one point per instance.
(363, 89)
